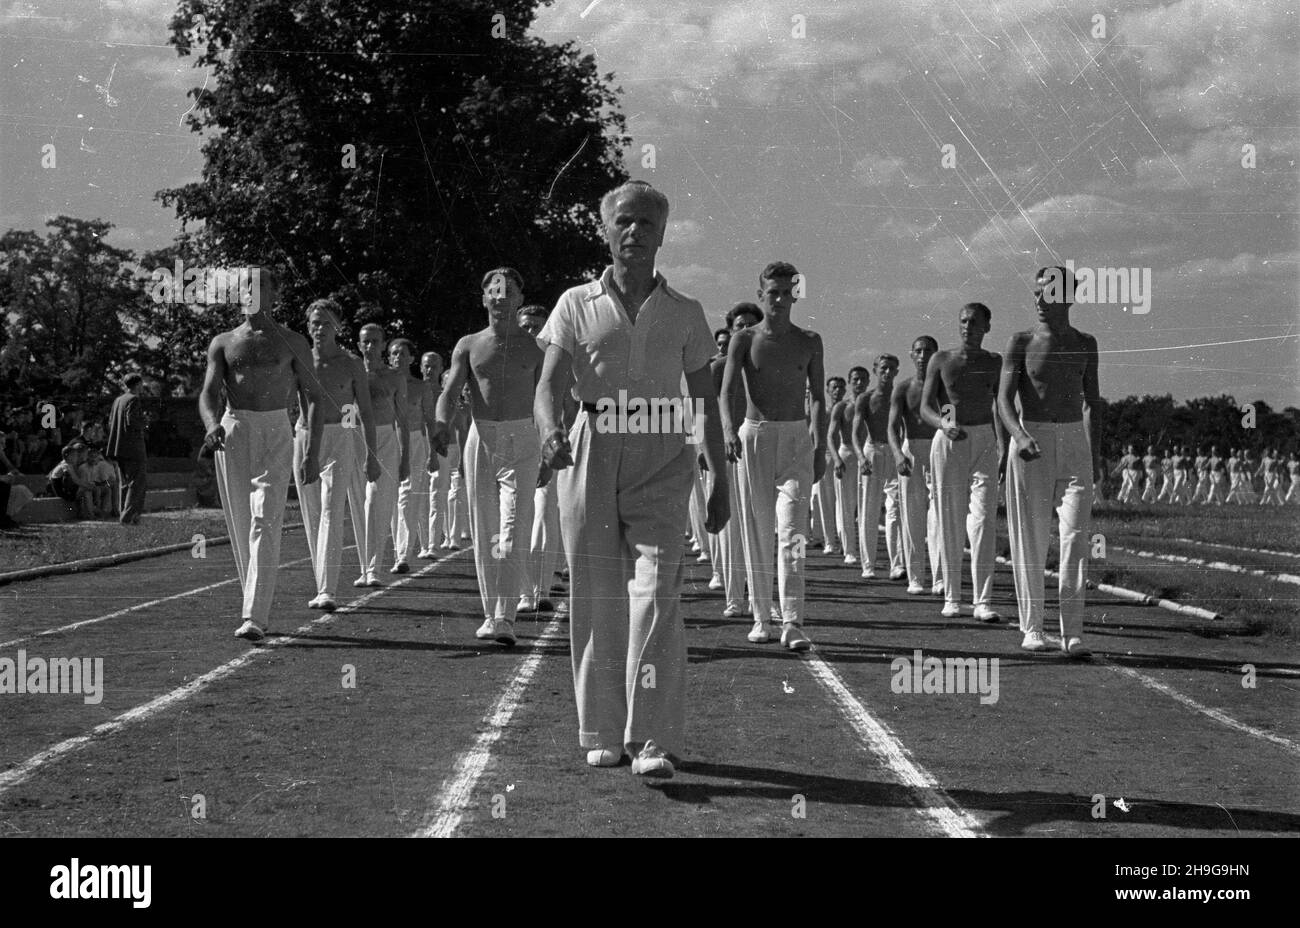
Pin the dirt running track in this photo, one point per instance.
(442, 734)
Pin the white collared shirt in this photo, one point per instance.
(670, 338)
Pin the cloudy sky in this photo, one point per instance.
(907, 155)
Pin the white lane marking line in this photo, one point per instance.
(1221, 717)
(137, 608)
(1213, 565)
(22, 772)
(875, 735)
(1216, 544)
(453, 797)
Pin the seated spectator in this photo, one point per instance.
(66, 480)
(7, 472)
(34, 452)
(92, 431)
(104, 476)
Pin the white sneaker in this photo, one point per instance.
(1076, 648)
(426, 554)
(505, 633)
(1034, 641)
(732, 611)
(897, 574)
(604, 757)
(951, 610)
(761, 633)
(868, 573)
(360, 582)
(715, 582)
(250, 631)
(703, 558)
(562, 609)
(830, 549)
(401, 567)
(915, 589)
(850, 559)
(937, 590)
(774, 615)
(487, 630)
(526, 604)
(792, 637)
(324, 602)
(985, 613)
(652, 761)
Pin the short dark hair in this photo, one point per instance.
(506, 271)
(741, 309)
(980, 308)
(402, 343)
(859, 367)
(132, 379)
(934, 342)
(722, 331)
(777, 269)
(533, 309)
(73, 446)
(330, 308)
(885, 357)
(837, 377)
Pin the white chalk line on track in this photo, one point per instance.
(1212, 565)
(136, 608)
(1221, 717)
(934, 803)
(23, 771)
(449, 806)
(1215, 544)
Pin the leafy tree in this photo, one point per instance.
(389, 154)
(65, 299)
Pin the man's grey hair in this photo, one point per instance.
(637, 188)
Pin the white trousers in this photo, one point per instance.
(1153, 479)
(253, 482)
(381, 497)
(1062, 480)
(774, 483)
(1218, 484)
(825, 525)
(622, 508)
(727, 547)
(1202, 487)
(920, 526)
(501, 464)
(448, 512)
(1272, 490)
(880, 487)
(696, 509)
(966, 493)
(1293, 491)
(846, 502)
(411, 517)
(1128, 491)
(546, 551)
(322, 502)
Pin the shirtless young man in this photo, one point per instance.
(1202, 471)
(910, 438)
(966, 457)
(1168, 466)
(343, 406)
(778, 460)
(1048, 401)
(1270, 470)
(502, 453)
(260, 364)
(877, 480)
(1130, 467)
(430, 388)
(1218, 478)
(844, 462)
(388, 391)
(1151, 464)
(410, 518)
(825, 515)
(728, 545)
(1293, 473)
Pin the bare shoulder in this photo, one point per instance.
(1089, 341)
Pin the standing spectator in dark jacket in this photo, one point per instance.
(126, 426)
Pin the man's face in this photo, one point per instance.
(431, 368)
(857, 381)
(635, 230)
(263, 293)
(886, 370)
(921, 353)
(743, 321)
(972, 325)
(372, 345)
(502, 297)
(532, 324)
(776, 296)
(1058, 285)
(723, 339)
(399, 358)
(836, 390)
(321, 329)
